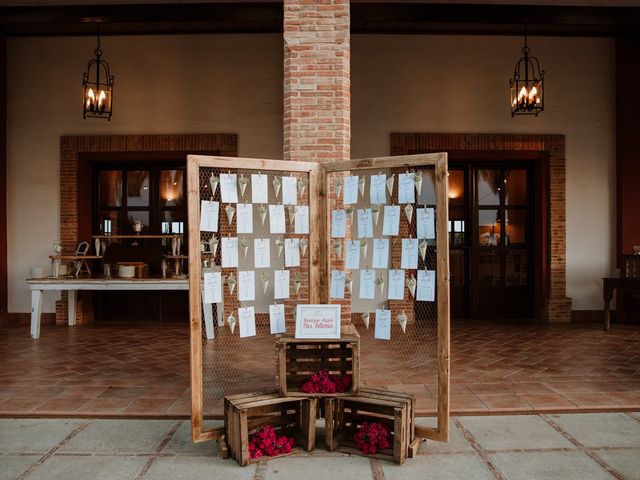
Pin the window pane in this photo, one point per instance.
(108, 223)
(173, 222)
(516, 221)
(142, 216)
(456, 188)
(110, 188)
(516, 267)
(488, 187)
(138, 188)
(171, 188)
(488, 228)
(456, 227)
(515, 184)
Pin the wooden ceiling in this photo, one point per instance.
(572, 18)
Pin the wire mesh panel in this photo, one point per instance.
(390, 256)
(270, 234)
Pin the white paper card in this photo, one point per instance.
(246, 285)
(229, 252)
(229, 187)
(281, 285)
(289, 190)
(406, 188)
(368, 284)
(276, 318)
(338, 224)
(216, 287)
(409, 258)
(365, 223)
(261, 253)
(276, 219)
(207, 281)
(317, 321)
(209, 213)
(426, 290)
(391, 224)
(396, 285)
(380, 253)
(247, 319)
(291, 252)
(383, 325)
(425, 223)
(244, 215)
(350, 190)
(378, 188)
(352, 260)
(259, 188)
(337, 283)
(302, 219)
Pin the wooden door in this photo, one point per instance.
(501, 251)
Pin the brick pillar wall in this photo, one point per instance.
(317, 86)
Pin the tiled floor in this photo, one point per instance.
(143, 370)
(588, 446)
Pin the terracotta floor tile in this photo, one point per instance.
(529, 387)
(105, 406)
(149, 406)
(505, 403)
(548, 401)
(489, 388)
(82, 391)
(592, 400)
(123, 392)
(61, 405)
(467, 403)
(570, 387)
(21, 404)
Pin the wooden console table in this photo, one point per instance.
(39, 285)
(609, 284)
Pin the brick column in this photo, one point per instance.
(317, 95)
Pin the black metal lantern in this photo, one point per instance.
(98, 87)
(527, 92)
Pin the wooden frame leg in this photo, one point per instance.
(36, 310)
(71, 307)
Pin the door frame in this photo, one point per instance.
(547, 153)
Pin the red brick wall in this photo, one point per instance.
(317, 86)
(557, 305)
(70, 147)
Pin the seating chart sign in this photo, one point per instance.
(318, 321)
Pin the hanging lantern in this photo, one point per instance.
(527, 85)
(97, 84)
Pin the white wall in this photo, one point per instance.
(233, 83)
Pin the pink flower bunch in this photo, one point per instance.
(265, 442)
(371, 437)
(323, 382)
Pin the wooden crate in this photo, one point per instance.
(395, 411)
(299, 359)
(244, 413)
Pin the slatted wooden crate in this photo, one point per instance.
(299, 359)
(394, 410)
(244, 413)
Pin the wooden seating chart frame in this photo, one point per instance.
(319, 248)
